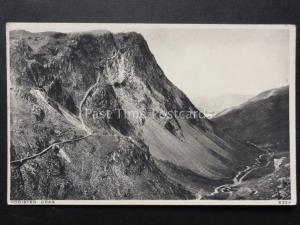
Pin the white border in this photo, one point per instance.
(292, 115)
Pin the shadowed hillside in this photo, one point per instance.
(262, 120)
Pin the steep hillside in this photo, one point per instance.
(99, 166)
(110, 88)
(262, 120)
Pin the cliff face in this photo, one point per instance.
(74, 81)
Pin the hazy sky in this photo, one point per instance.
(222, 61)
(208, 60)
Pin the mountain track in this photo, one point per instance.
(87, 93)
(88, 131)
(44, 151)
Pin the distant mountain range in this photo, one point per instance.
(262, 120)
(210, 106)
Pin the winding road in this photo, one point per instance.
(262, 161)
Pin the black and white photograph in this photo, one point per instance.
(150, 114)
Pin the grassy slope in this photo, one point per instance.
(263, 120)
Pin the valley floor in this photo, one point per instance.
(271, 181)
